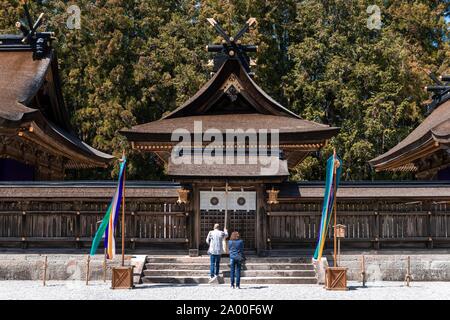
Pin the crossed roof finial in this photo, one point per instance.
(441, 90)
(39, 41)
(231, 47)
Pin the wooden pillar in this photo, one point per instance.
(261, 221)
(428, 207)
(23, 228)
(195, 218)
(78, 206)
(378, 228)
(190, 218)
(133, 226)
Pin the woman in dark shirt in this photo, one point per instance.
(236, 249)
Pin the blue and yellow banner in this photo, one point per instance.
(334, 167)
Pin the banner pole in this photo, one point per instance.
(334, 204)
(226, 205)
(225, 225)
(123, 216)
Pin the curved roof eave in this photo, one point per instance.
(425, 131)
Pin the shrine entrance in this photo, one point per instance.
(237, 207)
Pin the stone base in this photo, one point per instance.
(320, 268)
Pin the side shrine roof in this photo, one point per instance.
(22, 78)
(431, 135)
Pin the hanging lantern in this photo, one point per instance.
(273, 196)
(182, 195)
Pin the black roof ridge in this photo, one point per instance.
(379, 183)
(435, 104)
(11, 36)
(173, 184)
(87, 183)
(13, 42)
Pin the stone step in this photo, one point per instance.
(226, 266)
(205, 259)
(226, 273)
(226, 280)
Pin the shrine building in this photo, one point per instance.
(228, 152)
(36, 138)
(426, 150)
(256, 142)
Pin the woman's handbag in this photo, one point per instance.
(239, 257)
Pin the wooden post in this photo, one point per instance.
(197, 218)
(339, 251)
(44, 276)
(378, 231)
(363, 271)
(88, 261)
(429, 207)
(78, 207)
(226, 205)
(23, 229)
(226, 217)
(408, 272)
(104, 266)
(261, 220)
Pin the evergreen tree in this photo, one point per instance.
(366, 81)
(134, 60)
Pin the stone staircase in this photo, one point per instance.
(257, 270)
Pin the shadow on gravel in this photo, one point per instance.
(68, 283)
(356, 287)
(166, 285)
(260, 287)
(376, 286)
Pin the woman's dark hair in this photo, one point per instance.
(234, 235)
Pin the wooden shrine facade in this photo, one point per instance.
(377, 216)
(238, 144)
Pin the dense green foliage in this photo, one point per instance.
(134, 60)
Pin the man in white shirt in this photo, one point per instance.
(215, 239)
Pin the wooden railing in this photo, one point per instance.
(417, 217)
(74, 223)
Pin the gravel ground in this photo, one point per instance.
(98, 290)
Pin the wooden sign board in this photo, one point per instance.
(340, 231)
(122, 278)
(336, 278)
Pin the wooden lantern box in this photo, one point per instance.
(336, 278)
(182, 195)
(122, 278)
(340, 231)
(273, 196)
